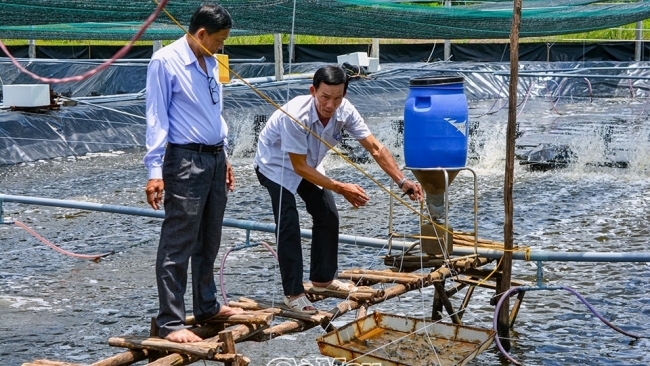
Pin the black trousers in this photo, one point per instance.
(195, 202)
(325, 233)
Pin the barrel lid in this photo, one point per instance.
(436, 80)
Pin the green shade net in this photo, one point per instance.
(118, 19)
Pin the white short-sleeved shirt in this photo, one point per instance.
(281, 135)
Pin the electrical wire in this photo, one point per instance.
(121, 53)
(94, 257)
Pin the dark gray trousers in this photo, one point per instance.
(325, 233)
(195, 200)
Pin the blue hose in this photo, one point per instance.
(528, 288)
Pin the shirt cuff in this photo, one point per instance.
(155, 172)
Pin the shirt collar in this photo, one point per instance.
(188, 57)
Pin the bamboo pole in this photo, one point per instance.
(503, 324)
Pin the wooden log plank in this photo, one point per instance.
(418, 259)
(292, 326)
(372, 278)
(470, 238)
(412, 265)
(128, 357)
(298, 326)
(245, 318)
(239, 332)
(50, 363)
(356, 296)
(470, 243)
(475, 281)
(198, 349)
(387, 272)
(341, 308)
(279, 309)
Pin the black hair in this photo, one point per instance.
(331, 75)
(211, 17)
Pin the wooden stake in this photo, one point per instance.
(228, 345)
(503, 323)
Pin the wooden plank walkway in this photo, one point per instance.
(375, 286)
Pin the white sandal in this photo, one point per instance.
(336, 286)
(299, 304)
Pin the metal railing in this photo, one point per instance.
(538, 256)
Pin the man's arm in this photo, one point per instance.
(157, 102)
(352, 192)
(385, 160)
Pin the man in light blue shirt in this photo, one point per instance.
(185, 126)
(288, 161)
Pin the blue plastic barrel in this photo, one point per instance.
(436, 123)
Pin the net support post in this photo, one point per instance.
(32, 48)
(638, 45)
(277, 47)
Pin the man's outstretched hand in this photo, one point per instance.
(353, 193)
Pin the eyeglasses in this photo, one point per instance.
(214, 89)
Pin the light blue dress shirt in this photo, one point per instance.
(281, 136)
(180, 103)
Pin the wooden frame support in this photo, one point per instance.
(441, 294)
(515, 307)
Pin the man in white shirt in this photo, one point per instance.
(185, 126)
(288, 161)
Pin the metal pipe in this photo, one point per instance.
(539, 255)
(570, 75)
(535, 255)
(268, 79)
(239, 224)
(119, 62)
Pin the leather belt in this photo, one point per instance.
(200, 148)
